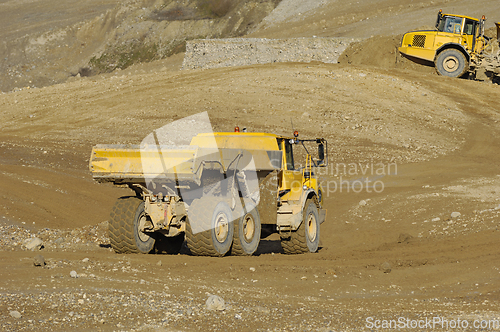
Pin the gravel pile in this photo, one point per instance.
(14, 237)
(456, 223)
(216, 53)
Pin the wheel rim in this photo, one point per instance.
(451, 64)
(143, 220)
(311, 227)
(221, 227)
(248, 227)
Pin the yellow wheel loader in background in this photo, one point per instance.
(456, 47)
(218, 193)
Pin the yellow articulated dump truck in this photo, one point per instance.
(457, 47)
(218, 193)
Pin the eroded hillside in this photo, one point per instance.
(112, 35)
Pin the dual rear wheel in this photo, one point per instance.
(213, 229)
(247, 230)
(126, 230)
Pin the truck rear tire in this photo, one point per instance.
(127, 217)
(213, 220)
(306, 238)
(451, 63)
(247, 231)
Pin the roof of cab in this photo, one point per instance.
(462, 16)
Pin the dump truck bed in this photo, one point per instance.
(126, 164)
(133, 163)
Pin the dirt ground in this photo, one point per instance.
(423, 247)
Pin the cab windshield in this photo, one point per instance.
(450, 24)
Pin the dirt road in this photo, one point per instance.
(424, 247)
(443, 140)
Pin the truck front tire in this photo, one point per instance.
(306, 238)
(451, 63)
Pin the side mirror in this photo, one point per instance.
(321, 152)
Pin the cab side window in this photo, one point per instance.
(470, 27)
(289, 155)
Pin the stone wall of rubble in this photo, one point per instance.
(216, 53)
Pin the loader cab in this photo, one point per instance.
(466, 26)
(449, 24)
(469, 29)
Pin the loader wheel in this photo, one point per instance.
(306, 238)
(211, 219)
(127, 217)
(451, 63)
(247, 231)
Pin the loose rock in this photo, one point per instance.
(455, 214)
(73, 274)
(59, 240)
(215, 302)
(404, 238)
(39, 260)
(330, 272)
(386, 267)
(262, 310)
(34, 244)
(15, 314)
